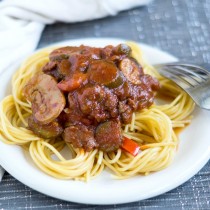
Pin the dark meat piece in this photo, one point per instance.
(67, 52)
(46, 99)
(59, 70)
(80, 136)
(79, 62)
(63, 53)
(150, 82)
(51, 68)
(97, 102)
(66, 61)
(125, 111)
(73, 114)
(64, 68)
(123, 91)
(134, 97)
(116, 53)
(105, 72)
(73, 82)
(122, 49)
(108, 135)
(107, 52)
(131, 70)
(141, 97)
(70, 117)
(51, 130)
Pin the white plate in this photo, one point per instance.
(193, 153)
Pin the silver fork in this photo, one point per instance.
(194, 79)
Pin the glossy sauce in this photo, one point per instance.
(97, 89)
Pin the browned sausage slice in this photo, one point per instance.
(131, 70)
(46, 98)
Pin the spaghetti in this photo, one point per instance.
(153, 129)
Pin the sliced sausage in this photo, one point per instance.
(131, 70)
(80, 136)
(108, 135)
(46, 98)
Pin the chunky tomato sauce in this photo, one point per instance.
(85, 94)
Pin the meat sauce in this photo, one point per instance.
(84, 94)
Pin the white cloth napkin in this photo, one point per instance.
(22, 22)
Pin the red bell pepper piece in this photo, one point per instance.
(130, 146)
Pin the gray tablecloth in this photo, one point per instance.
(181, 27)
